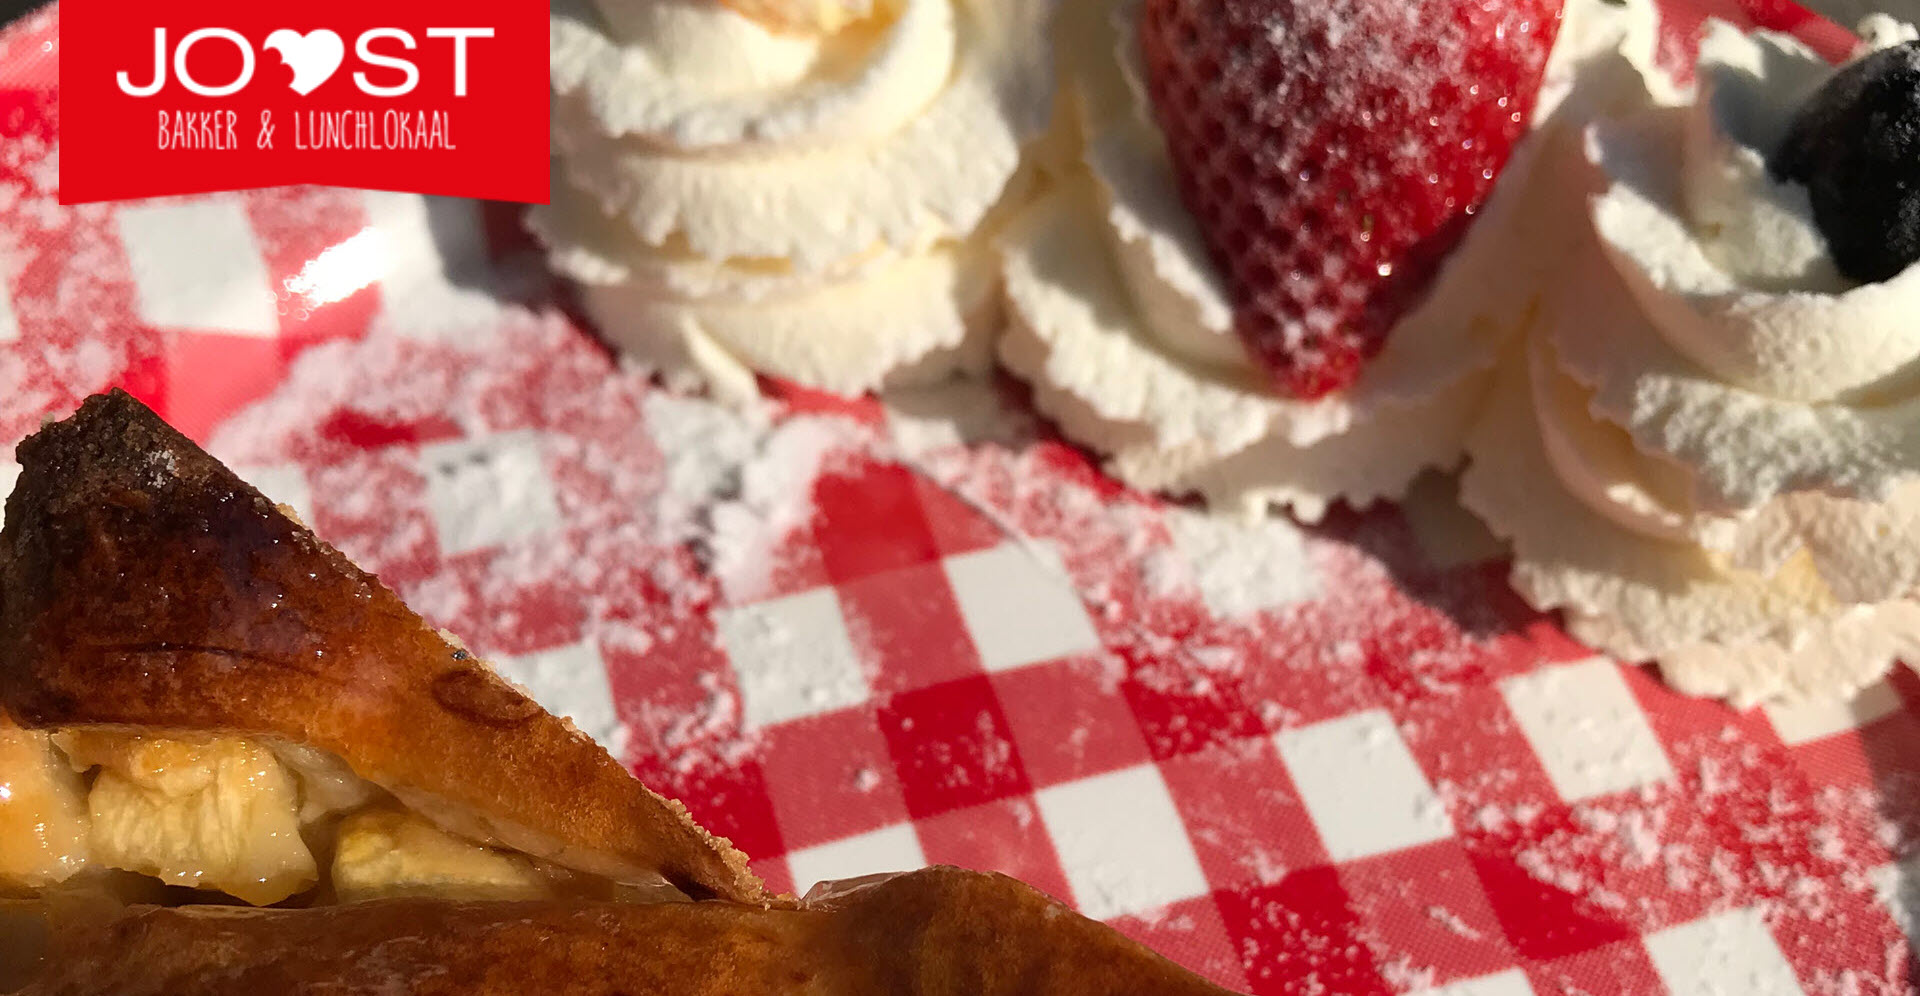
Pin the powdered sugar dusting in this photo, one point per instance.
(1241, 567)
(1215, 635)
(774, 497)
(67, 278)
(693, 495)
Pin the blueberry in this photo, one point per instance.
(1856, 145)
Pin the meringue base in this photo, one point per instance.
(881, 320)
(918, 320)
(1714, 628)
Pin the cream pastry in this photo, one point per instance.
(735, 197)
(1125, 327)
(1708, 452)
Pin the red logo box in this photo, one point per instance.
(429, 96)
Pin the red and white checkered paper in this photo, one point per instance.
(1390, 777)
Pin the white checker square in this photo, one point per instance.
(1020, 605)
(1512, 982)
(489, 491)
(570, 681)
(1587, 729)
(889, 849)
(1804, 722)
(196, 265)
(1365, 792)
(793, 655)
(1121, 842)
(1730, 952)
(1243, 568)
(435, 274)
(284, 484)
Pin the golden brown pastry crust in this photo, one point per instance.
(937, 931)
(144, 585)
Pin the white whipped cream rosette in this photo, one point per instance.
(1119, 321)
(734, 199)
(868, 322)
(1708, 452)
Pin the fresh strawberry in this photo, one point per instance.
(1334, 151)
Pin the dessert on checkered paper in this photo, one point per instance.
(800, 188)
(1406, 160)
(1706, 451)
(242, 764)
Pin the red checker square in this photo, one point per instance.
(951, 747)
(1850, 823)
(1841, 934)
(1520, 639)
(296, 228)
(1301, 935)
(1672, 855)
(1691, 729)
(830, 777)
(907, 627)
(956, 527)
(1311, 677)
(1891, 747)
(610, 425)
(1190, 933)
(1420, 641)
(582, 491)
(1424, 907)
(1179, 711)
(58, 311)
(1005, 836)
(774, 872)
(373, 506)
(1752, 825)
(1474, 752)
(1545, 921)
(1247, 822)
(1622, 967)
(868, 519)
(1888, 748)
(806, 400)
(144, 377)
(507, 610)
(227, 373)
(647, 586)
(1906, 681)
(1856, 814)
(674, 690)
(1069, 720)
(370, 431)
(730, 801)
(29, 107)
(1883, 756)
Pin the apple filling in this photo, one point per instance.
(246, 819)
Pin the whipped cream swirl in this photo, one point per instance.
(735, 200)
(1710, 454)
(1121, 323)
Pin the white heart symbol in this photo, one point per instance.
(314, 56)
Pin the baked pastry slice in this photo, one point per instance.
(238, 764)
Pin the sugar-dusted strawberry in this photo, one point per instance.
(1334, 151)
